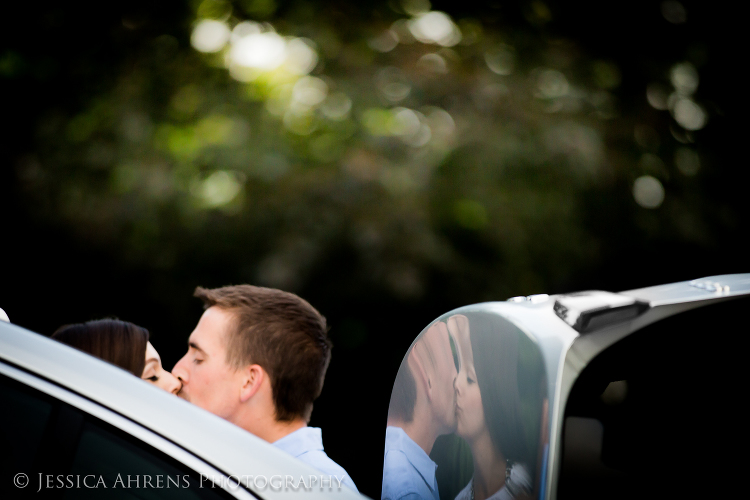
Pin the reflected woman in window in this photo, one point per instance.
(123, 344)
(488, 410)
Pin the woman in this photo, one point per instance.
(123, 344)
(488, 409)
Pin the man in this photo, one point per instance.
(258, 358)
(423, 407)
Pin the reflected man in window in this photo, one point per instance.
(422, 408)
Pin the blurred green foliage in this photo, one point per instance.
(423, 141)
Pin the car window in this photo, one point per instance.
(651, 416)
(23, 419)
(66, 453)
(131, 470)
(470, 382)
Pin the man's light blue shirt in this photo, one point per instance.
(408, 472)
(306, 444)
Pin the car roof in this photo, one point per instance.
(709, 288)
(221, 444)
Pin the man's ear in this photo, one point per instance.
(418, 371)
(253, 376)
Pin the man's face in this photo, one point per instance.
(207, 379)
(436, 351)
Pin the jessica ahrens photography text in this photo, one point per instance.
(276, 482)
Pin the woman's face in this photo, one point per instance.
(155, 374)
(469, 410)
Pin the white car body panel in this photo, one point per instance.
(153, 415)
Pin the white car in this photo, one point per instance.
(73, 426)
(637, 394)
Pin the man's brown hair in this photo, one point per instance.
(283, 334)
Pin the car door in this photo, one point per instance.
(57, 444)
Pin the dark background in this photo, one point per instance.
(63, 265)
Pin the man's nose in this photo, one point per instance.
(180, 372)
(173, 385)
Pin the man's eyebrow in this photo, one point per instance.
(195, 346)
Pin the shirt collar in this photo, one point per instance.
(397, 439)
(301, 441)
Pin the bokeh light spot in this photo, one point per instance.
(405, 122)
(301, 56)
(500, 60)
(244, 29)
(433, 63)
(689, 115)
(385, 42)
(687, 161)
(684, 77)
(219, 188)
(303, 123)
(210, 35)
(674, 12)
(435, 27)
(552, 83)
(657, 96)
(264, 51)
(648, 191)
(440, 121)
(309, 91)
(392, 84)
(336, 106)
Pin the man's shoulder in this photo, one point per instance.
(321, 461)
(397, 460)
(309, 449)
(400, 477)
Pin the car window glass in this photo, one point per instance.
(131, 469)
(23, 418)
(55, 445)
(467, 413)
(652, 415)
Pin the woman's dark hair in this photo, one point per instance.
(504, 367)
(121, 343)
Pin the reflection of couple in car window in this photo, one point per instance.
(479, 402)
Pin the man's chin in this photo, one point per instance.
(183, 395)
